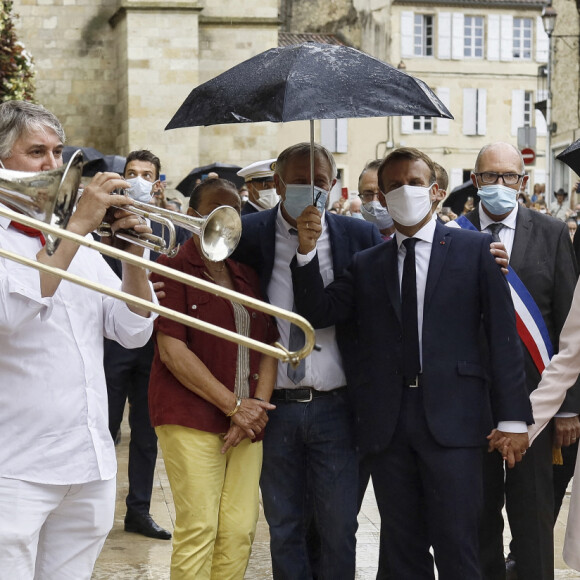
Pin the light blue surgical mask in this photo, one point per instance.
(140, 189)
(299, 197)
(357, 215)
(497, 198)
(375, 213)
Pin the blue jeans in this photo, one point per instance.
(309, 449)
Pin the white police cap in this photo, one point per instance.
(258, 170)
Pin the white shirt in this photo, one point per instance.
(324, 369)
(507, 233)
(53, 395)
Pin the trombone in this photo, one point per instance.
(29, 204)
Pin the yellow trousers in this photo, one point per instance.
(216, 502)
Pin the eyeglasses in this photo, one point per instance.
(489, 177)
(368, 196)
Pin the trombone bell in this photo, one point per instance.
(47, 196)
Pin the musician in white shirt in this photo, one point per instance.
(57, 459)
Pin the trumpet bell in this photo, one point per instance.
(220, 233)
(47, 196)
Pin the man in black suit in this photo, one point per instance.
(310, 462)
(422, 407)
(127, 374)
(542, 256)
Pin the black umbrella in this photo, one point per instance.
(458, 197)
(224, 170)
(114, 163)
(89, 153)
(571, 157)
(306, 82)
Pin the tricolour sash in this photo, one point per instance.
(529, 321)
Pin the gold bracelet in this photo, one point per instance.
(236, 408)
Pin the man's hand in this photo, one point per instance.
(309, 226)
(566, 431)
(95, 200)
(512, 446)
(501, 256)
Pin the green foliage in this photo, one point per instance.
(16, 66)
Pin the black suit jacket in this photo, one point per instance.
(458, 400)
(543, 258)
(347, 236)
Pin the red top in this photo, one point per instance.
(170, 403)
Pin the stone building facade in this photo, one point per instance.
(115, 72)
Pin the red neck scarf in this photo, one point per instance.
(29, 231)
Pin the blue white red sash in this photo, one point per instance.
(529, 321)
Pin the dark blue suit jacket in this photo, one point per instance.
(347, 236)
(464, 286)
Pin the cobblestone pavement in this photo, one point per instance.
(134, 557)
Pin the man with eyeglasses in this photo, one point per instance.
(541, 255)
(374, 207)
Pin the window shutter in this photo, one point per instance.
(341, 135)
(406, 125)
(443, 124)
(507, 37)
(469, 111)
(493, 39)
(457, 36)
(481, 111)
(406, 34)
(328, 134)
(542, 42)
(455, 178)
(541, 125)
(444, 41)
(518, 96)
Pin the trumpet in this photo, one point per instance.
(52, 226)
(219, 232)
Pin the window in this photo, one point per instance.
(522, 38)
(473, 37)
(423, 35)
(334, 134)
(528, 108)
(422, 124)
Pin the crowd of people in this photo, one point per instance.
(453, 418)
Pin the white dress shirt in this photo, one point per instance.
(53, 395)
(324, 369)
(507, 233)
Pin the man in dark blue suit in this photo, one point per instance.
(310, 462)
(127, 374)
(422, 408)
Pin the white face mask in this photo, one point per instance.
(268, 198)
(140, 189)
(409, 204)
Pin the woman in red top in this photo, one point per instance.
(208, 400)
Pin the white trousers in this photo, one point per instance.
(53, 532)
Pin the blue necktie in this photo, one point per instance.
(495, 229)
(296, 342)
(411, 358)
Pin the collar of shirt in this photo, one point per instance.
(425, 234)
(509, 221)
(4, 221)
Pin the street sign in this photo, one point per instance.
(529, 156)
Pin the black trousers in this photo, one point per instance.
(529, 500)
(127, 374)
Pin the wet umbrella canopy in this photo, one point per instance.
(224, 170)
(114, 163)
(571, 157)
(457, 199)
(306, 82)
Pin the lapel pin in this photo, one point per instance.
(442, 242)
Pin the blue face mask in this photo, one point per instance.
(497, 198)
(299, 196)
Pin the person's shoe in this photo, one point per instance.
(511, 570)
(143, 524)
